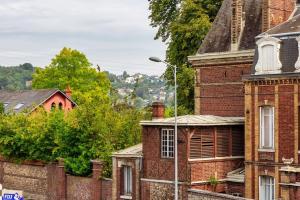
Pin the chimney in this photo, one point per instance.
(158, 109)
(237, 23)
(68, 91)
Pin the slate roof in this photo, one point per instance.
(290, 26)
(27, 99)
(218, 38)
(134, 151)
(196, 120)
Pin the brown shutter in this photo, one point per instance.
(223, 134)
(207, 143)
(195, 147)
(238, 141)
(202, 144)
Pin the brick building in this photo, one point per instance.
(247, 71)
(272, 115)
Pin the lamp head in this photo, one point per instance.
(155, 59)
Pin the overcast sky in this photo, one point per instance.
(112, 33)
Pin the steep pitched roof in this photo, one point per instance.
(18, 101)
(218, 38)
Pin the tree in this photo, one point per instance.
(72, 68)
(182, 24)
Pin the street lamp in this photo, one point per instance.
(155, 59)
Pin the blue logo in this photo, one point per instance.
(14, 196)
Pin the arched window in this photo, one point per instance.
(268, 56)
(53, 106)
(60, 106)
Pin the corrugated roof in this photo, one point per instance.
(196, 120)
(18, 101)
(134, 151)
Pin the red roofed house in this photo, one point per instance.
(29, 100)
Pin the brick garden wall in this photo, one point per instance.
(40, 181)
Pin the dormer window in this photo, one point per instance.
(268, 56)
(297, 64)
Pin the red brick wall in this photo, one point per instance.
(155, 167)
(286, 121)
(222, 90)
(58, 98)
(203, 170)
(280, 11)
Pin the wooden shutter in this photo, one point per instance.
(223, 134)
(238, 141)
(202, 144)
(207, 143)
(195, 147)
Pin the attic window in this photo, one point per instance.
(268, 56)
(5, 104)
(18, 106)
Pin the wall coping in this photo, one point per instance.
(214, 194)
(27, 162)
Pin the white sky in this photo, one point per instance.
(112, 33)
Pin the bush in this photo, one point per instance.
(86, 133)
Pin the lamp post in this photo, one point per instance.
(155, 59)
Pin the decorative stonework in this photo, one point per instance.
(260, 66)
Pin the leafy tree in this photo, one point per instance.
(72, 68)
(1, 108)
(182, 24)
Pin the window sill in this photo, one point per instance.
(267, 150)
(126, 197)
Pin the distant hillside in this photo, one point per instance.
(137, 89)
(15, 78)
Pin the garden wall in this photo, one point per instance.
(40, 181)
(207, 195)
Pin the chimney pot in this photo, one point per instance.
(158, 109)
(68, 91)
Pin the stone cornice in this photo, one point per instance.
(282, 79)
(234, 57)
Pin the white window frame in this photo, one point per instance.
(262, 129)
(18, 106)
(265, 41)
(263, 188)
(297, 64)
(127, 176)
(167, 143)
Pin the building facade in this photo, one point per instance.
(247, 75)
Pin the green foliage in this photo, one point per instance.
(1, 108)
(71, 67)
(183, 24)
(86, 133)
(95, 129)
(14, 78)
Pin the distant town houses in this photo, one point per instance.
(146, 89)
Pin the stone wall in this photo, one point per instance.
(206, 195)
(40, 181)
(79, 188)
(151, 190)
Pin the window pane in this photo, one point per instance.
(267, 128)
